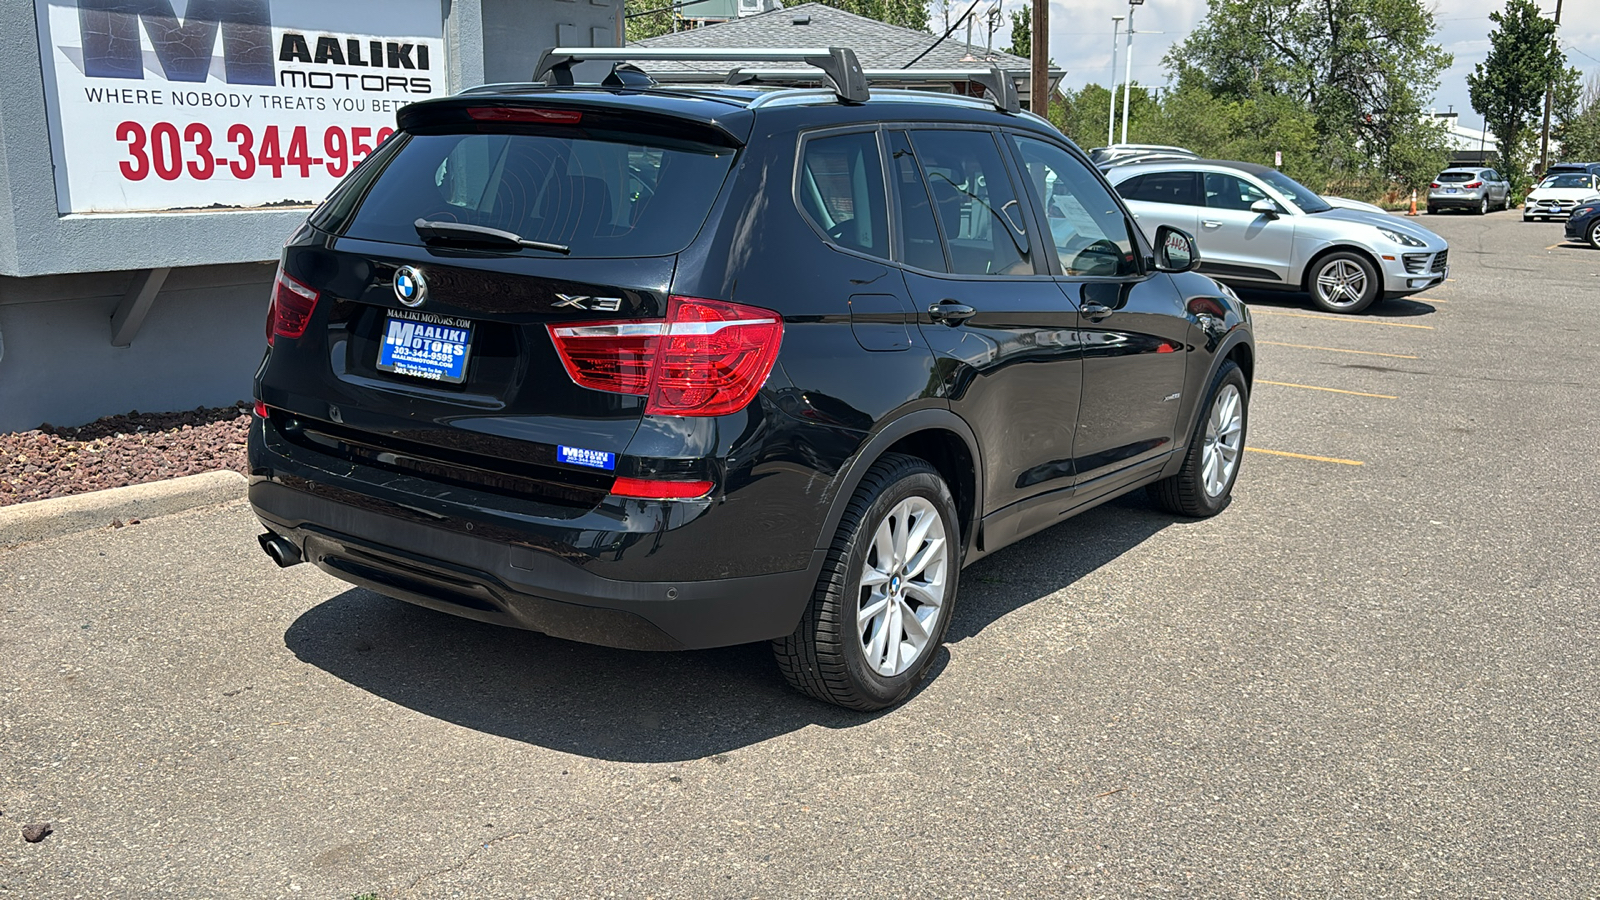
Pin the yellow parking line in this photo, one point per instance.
(1327, 459)
(1554, 246)
(1345, 319)
(1339, 350)
(1312, 387)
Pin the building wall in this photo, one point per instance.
(62, 277)
(199, 346)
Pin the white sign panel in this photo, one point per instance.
(216, 104)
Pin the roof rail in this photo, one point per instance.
(997, 85)
(838, 64)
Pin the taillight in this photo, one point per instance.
(262, 410)
(1434, 185)
(523, 114)
(709, 358)
(292, 305)
(1475, 184)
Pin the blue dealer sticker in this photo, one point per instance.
(594, 459)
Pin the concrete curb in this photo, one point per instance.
(42, 519)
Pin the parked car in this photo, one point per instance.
(1260, 228)
(1557, 195)
(1584, 223)
(1122, 154)
(657, 368)
(1582, 168)
(1475, 189)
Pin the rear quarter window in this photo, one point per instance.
(601, 197)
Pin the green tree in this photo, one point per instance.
(1580, 133)
(1508, 87)
(911, 14)
(1021, 34)
(647, 18)
(1360, 68)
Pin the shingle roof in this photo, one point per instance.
(878, 45)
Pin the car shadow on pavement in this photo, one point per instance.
(1398, 308)
(652, 707)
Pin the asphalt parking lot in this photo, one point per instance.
(1373, 676)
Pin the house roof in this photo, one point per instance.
(878, 45)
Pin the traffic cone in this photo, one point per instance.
(1413, 204)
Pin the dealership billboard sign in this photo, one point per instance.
(225, 104)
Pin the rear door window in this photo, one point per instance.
(600, 197)
(1162, 187)
(1225, 191)
(841, 190)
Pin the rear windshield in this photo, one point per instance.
(600, 197)
(1456, 176)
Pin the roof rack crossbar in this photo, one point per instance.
(1000, 89)
(838, 64)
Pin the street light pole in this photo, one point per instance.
(1127, 80)
(1549, 93)
(1111, 120)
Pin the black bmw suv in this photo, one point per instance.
(665, 367)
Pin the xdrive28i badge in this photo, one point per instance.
(409, 286)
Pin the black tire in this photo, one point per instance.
(1433, 210)
(824, 657)
(1483, 206)
(1185, 493)
(1339, 262)
(1594, 234)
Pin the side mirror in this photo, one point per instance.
(1176, 250)
(1266, 208)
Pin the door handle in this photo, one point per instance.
(1211, 223)
(951, 312)
(1094, 311)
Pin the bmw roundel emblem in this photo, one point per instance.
(409, 286)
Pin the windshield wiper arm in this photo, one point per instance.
(462, 233)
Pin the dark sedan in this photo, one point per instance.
(1585, 222)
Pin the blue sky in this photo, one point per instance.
(1080, 38)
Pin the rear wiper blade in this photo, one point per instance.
(462, 233)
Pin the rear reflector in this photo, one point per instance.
(292, 305)
(709, 358)
(649, 489)
(521, 114)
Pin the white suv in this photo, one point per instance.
(1260, 228)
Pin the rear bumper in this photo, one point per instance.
(1455, 201)
(507, 583)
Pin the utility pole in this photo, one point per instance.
(1549, 97)
(1127, 79)
(1039, 60)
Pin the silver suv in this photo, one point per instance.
(1475, 190)
(1260, 228)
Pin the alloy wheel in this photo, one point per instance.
(1594, 234)
(1341, 283)
(1219, 455)
(903, 582)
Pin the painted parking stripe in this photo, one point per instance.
(1345, 319)
(1326, 459)
(1339, 350)
(1312, 387)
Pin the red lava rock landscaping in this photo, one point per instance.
(119, 450)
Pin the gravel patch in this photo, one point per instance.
(135, 448)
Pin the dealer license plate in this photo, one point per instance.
(424, 345)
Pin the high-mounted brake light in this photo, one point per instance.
(523, 114)
(652, 489)
(708, 358)
(291, 308)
